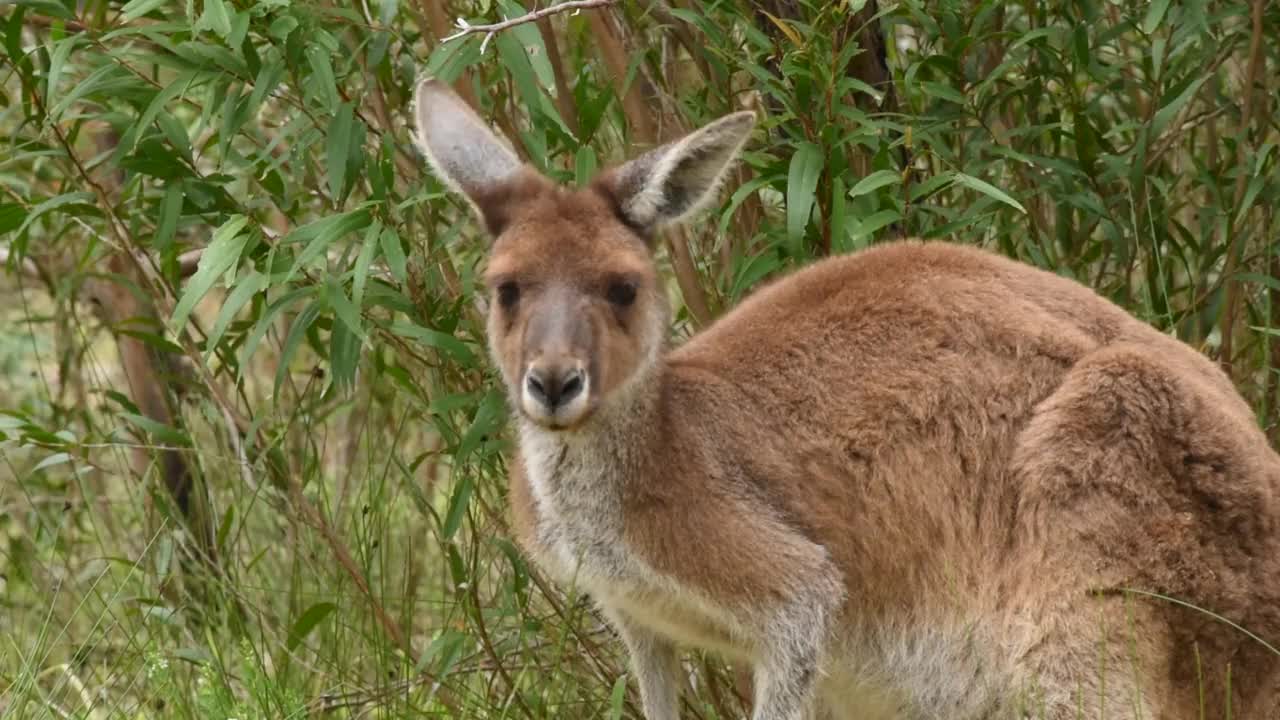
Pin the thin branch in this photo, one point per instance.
(564, 96)
(493, 28)
(1227, 322)
(637, 111)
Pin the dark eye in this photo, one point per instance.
(508, 294)
(621, 293)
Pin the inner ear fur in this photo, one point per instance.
(674, 181)
(468, 157)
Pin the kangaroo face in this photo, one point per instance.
(576, 309)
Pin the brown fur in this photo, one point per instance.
(966, 446)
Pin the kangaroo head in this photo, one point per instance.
(577, 312)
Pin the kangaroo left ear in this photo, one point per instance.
(461, 149)
(674, 181)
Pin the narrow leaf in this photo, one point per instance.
(874, 181)
(989, 190)
(338, 148)
(307, 622)
(346, 312)
(170, 212)
(52, 460)
(617, 696)
(1166, 114)
(135, 9)
(802, 182)
(1155, 13)
(57, 60)
(297, 332)
(360, 273)
(244, 291)
(221, 255)
(11, 217)
(394, 254)
(448, 344)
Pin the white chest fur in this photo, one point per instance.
(577, 499)
(577, 483)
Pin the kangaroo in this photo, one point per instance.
(918, 481)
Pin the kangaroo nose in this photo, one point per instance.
(554, 387)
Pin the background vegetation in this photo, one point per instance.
(251, 449)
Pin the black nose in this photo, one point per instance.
(552, 387)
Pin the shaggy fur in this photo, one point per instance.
(913, 482)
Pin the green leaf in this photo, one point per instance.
(942, 92)
(57, 59)
(931, 185)
(135, 9)
(443, 342)
(875, 181)
(265, 322)
(297, 332)
(487, 422)
(394, 254)
(802, 182)
(215, 18)
(988, 189)
(54, 203)
(1155, 13)
(360, 273)
(1255, 186)
(89, 85)
(322, 233)
(170, 212)
(243, 292)
(12, 216)
(343, 308)
(1166, 114)
(47, 7)
(618, 695)
(176, 134)
(52, 460)
(160, 432)
(870, 224)
(220, 256)
(458, 502)
(448, 647)
(307, 622)
(344, 355)
(324, 85)
(338, 150)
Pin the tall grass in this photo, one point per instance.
(324, 394)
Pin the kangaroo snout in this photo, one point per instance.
(553, 386)
(555, 391)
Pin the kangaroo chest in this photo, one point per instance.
(579, 539)
(577, 513)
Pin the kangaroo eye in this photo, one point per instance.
(508, 294)
(621, 294)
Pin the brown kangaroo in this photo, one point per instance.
(919, 481)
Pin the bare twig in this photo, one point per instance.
(643, 127)
(564, 97)
(493, 28)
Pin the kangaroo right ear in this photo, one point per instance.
(673, 181)
(461, 149)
